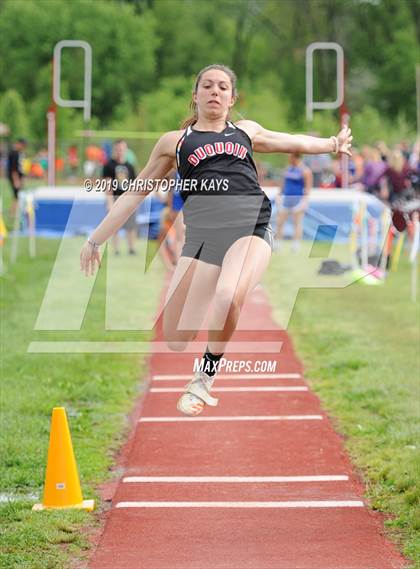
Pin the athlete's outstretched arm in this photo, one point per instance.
(161, 161)
(264, 140)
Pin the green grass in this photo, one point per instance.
(98, 391)
(360, 348)
(359, 345)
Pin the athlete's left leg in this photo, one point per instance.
(242, 268)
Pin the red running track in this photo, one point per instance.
(262, 504)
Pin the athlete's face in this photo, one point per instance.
(214, 94)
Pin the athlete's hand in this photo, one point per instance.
(344, 138)
(89, 255)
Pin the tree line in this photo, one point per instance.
(146, 53)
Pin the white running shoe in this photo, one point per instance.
(197, 394)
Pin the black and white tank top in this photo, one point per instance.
(219, 179)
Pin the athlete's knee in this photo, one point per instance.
(177, 342)
(177, 345)
(227, 299)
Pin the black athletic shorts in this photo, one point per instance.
(211, 245)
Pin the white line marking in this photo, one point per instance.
(131, 347)
(293, 504)
(185, 377)
(229, 389)
(5, 498)
(234, 479)
(233, 418)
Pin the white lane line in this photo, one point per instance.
(185, 377)
(292, 504)
(128, 347)
(229, 389)
(233, 418)
(234, 479)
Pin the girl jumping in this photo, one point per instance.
(228, 240)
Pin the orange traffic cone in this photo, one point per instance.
(62, 486)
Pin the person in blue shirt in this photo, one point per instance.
(293, 199)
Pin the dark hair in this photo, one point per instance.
(192, 119)
(119, 141)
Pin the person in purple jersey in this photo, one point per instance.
(373, 170)
(297, 185)
(228, 239)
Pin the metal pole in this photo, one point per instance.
(51, 133)
(51, 146)
(30, 212)
(16, 228)
(344, 158)
(84, 103)
(339, 101)
(414, 255)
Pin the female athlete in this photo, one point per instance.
(228, 239)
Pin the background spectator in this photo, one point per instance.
(15, 172)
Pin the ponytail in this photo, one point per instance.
(192, 119)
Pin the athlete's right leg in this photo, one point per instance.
(191, 289)
(189, 294)
(242, 267)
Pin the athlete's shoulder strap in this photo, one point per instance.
(238, 128)
(184, 135)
